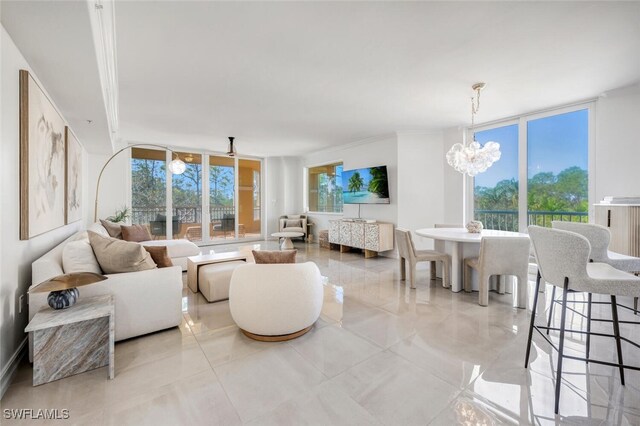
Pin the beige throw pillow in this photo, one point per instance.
(274, 256)
(77, 256)
(135, 233)
(293, 223)
(117, 256)
(160, 255)
(112, 228)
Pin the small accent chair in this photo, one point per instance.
(563, 261)
(599, 238)
(193, 233)
(158, 227)
(500, 256)
(408, 253)
(294, 223)
(227, 224)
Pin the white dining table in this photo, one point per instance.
(462, 244)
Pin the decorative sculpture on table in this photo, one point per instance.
(64, 288)
(475, 227)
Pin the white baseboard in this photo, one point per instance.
(10, 369)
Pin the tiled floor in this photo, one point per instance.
(380, 354)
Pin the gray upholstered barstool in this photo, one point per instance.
(563, 261)
(599, 237)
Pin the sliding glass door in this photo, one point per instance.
(222, 210)
(149, 190)
(217, 199)
(249, 199)
(187, 199)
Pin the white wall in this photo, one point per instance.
(420, 183)
(115, 186)
(372, 152)
(617, 147)
(16, 256)
(453, 181)
(284, 189)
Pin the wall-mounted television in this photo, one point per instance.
(365, 186)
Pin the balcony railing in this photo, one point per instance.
(507, 220)
(185, 214)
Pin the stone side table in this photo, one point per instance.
(74, 340)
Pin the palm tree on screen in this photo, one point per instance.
(378, 183)
(355, 182)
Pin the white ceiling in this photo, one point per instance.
(56, 40)
(286, 78)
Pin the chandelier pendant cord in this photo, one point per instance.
(472, 158)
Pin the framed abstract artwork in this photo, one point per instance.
(73, 178)
(42, 161)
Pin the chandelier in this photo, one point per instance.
(473, 158)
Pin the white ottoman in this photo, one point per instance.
(276, 302)
(214, 279)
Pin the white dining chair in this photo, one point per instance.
(563, 261)
(500, 256)
(408, 253)
(441, 245)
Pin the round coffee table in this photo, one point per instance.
(285, 239)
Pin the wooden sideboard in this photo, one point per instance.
(370, 237)
(623, 220)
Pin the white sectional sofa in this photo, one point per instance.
(145, 301)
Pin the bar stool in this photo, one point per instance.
(599, 237)
(563, 261)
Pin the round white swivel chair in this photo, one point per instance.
(276, 302)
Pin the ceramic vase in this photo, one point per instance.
(63, 299)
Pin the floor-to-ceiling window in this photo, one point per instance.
(543, 174)
(557, 168)
(324, 188)
(248, 198)
(222, 211)
(187, 198)
(496, 190)
(149, 190)
(217, 198)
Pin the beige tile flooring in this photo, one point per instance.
(380, 354)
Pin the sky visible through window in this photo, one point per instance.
(555, 143)
(557, 172)
(558, 142)
(507, 166)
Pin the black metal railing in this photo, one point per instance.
(507, 220)
(184, 214)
